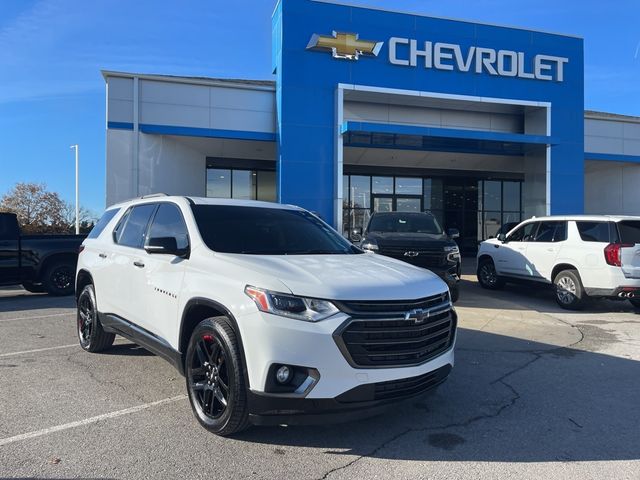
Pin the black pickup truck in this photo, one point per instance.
(40, 263)
(418, 239)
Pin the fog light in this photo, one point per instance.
(283, 374)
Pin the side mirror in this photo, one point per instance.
(356, 234)
(502, 237)
(164, 246)
(453, 233)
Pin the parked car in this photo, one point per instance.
(271, 315)
(418, 239)
(583, 256)
(40, 263)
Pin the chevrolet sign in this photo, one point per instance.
(449, 56)
(445, 56)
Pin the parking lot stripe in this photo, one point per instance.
(119, 341)
(36, 317)
(11, 354)
(87, 421)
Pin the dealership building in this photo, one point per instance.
(371, 110)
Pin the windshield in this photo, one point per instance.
(267, 231)
(405, 223)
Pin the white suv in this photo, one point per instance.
(271, 315)
(583, 256)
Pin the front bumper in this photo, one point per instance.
(341, 391)
(360, 402)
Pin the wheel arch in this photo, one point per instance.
(198, 309)
(561, 267)
(83, 279)
(484, 257)
(54, 257)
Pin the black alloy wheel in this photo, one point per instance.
(210, 377)
(488, 276)
(58, 278)
(86, 319)
(90, 333)
(215, 378)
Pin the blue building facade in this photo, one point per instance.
(432, 58)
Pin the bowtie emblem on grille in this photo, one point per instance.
(410, 254)
(418, 315)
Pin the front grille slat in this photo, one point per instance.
(402, 341)
(394, 330)
(410, 352)
(373, 338)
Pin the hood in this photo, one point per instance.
(423, 241)
(344, 277)
(491, 241)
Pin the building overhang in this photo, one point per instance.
(412, 137)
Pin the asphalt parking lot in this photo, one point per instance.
(537, 392)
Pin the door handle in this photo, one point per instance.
(138, 264)
(102, 255)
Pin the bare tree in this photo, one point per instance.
(88, 218)
(38, 210)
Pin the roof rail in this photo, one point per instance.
(152, 195)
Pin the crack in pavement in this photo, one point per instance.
(101, 381)
(515, 396)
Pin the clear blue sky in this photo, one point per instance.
(52, 51)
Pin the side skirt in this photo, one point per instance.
(118, 325)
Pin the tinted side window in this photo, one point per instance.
(551, 232)
(629, 231)
(523, 234)
(561, 232)
(168, 222)
(133, 232)
(594, 231)
(102, 223)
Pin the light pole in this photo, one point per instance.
(77, 195)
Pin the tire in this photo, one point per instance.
(90, 333)
(30, 287)
(570, 293)
(635, 302)
(215, 379)
(58, 278)
(488, 277)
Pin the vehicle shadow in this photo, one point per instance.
(507, 400)
(127, 349)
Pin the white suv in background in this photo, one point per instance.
(271, 315)
(583, 256)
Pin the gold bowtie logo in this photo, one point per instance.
(344, 45)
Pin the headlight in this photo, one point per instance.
(371, 245)
(300, 308)
(453, 253)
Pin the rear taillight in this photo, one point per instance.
(80, 249)
(612, 253)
